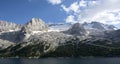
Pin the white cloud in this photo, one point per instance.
(74, 7)
(100, 12)
(65, 9)
(54, 2)
(70, 19)
(83, 3)
(94, 10)
(107, 17)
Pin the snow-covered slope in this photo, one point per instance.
(98, 26)
(59, 27)
(88, 26)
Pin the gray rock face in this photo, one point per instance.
(77, 29)
(113, 36)
(9, 26)
(111, 27)
(35, 25)
(26, 33)
(43, 43)
(50, 37)
(11, 36)
(16, 33)
(8, 33)
(4, 44)
(19, 34)
(97, 25)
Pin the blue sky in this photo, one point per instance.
(61, 11)
(21, 11)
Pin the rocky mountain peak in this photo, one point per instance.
(98, 26)
(77, 29)
(35, 24)
(35, 21)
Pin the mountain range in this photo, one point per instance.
(38, 39)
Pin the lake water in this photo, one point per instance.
(62, 61)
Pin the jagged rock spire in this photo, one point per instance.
(35, 24)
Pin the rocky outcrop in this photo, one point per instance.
(9, 26)
(114, 36)
(77, 29)
(8, 33)
(50, 37)
(39, 45)
(35, 24)
(5, 43)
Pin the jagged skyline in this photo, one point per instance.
(61, 11)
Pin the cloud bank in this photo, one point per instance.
(104, 11)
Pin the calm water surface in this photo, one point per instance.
(62, 61)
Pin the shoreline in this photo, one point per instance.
(54, 57)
